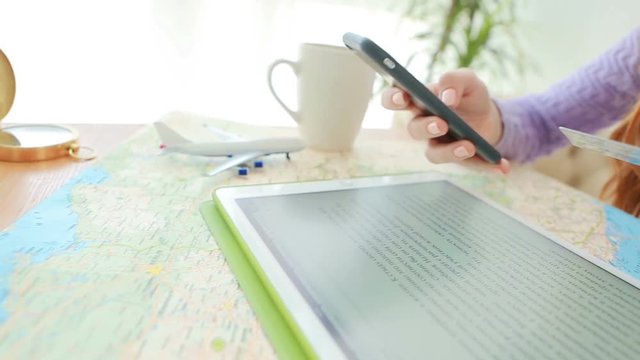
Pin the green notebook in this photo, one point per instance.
(286, 340)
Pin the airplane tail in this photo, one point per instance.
(168, 136)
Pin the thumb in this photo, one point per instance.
(449, 97)
(456, 84)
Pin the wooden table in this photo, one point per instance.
(24, 185)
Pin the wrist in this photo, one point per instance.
(496, 124)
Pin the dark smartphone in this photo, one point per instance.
(424, 99)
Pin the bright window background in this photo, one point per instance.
(129, 61)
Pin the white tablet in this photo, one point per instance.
(407, 267)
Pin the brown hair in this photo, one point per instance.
(623, 188)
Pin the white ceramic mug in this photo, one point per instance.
(334, 89)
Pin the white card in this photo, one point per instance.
(611, 148)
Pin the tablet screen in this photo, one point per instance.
(428, 270)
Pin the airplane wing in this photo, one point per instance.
(234, 161)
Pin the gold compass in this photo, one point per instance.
(33, 142)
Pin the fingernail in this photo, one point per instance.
(461, 152)
(433, 129)
(504, 166)
(448, 97)
(398, 98)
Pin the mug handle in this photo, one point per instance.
(294, 66)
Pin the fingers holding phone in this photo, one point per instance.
(441, 149)
(420, 127)
(464, 92)
(427, 127)
(439, 152)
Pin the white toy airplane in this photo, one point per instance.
(238, 150)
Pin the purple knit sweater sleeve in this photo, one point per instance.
(592, 98)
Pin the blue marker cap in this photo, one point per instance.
(258, 164)
(243, 171)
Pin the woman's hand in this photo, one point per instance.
(468, 96)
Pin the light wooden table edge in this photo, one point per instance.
(24, 185)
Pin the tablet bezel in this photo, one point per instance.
(282, 288)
